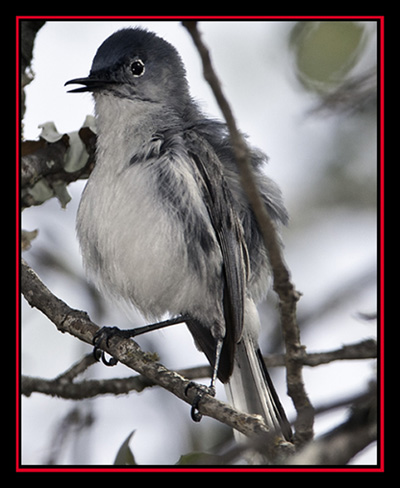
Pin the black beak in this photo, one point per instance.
(90, 84)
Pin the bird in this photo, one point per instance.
(164, 223)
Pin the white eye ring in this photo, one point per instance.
(137, 68)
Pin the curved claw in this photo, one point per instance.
(108, 362)
(97, 353)
(201, 390)
(100, 355)
(194, 411)
(104, 334)
(191, 384)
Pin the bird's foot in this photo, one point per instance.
(103, 336)
(201, 390)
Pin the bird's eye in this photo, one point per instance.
(137, 67)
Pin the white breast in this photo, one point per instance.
(133, 247)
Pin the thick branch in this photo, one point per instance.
(78, 324)
(29, 29)
(45, 165)
(287, 294)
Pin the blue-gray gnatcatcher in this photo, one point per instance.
(164, 223)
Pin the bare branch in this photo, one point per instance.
(336, 448)
(287, 294)
(29, 29)
(44, 165)
(78, 324)
(76, 369)
(340, 445)
(84, 389)
(366, 349)
(63, 385)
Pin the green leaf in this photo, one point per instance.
(197, 458)
(125, 456)
(326, 51)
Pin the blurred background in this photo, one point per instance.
(305, 93)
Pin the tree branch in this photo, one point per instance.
(59, 387)
(29, 29)
(341, 444)
(285, 290)
(78, 324)
(356, 433)
(64, 387)
(45, 164)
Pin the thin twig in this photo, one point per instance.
(76, 369)
(342, 443)
(287, 294)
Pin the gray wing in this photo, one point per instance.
(229, 233)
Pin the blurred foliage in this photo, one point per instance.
(326, 51)
(336, 63)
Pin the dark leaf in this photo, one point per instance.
(125, 456)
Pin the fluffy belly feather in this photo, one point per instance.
(136, 247)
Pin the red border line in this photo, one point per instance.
(17, 264)
(382, 237)
(166, 469)
(199, 17)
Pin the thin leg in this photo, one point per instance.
(218, 350)
(201, 389)
(159, 325)
(106, 333)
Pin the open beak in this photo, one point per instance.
(90, 84)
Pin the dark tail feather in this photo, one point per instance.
(279, 411)
(250, 388)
